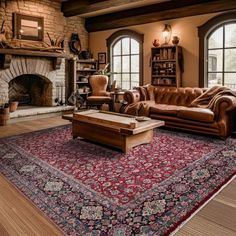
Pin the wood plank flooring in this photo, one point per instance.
(217, 218)
(19, 217)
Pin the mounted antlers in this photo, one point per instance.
(58, 42)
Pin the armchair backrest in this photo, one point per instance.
(98, 85)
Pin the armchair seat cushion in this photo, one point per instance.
(196, 113)
(165, 109)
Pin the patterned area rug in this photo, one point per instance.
(87, 189)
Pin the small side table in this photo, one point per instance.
(118, 101)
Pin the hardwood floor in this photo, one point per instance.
(19, 217)
(217, 218)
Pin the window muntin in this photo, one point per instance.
(221, 56)
(125, 62)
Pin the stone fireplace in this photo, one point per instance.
(33, 80)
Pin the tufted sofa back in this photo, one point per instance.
(164, 95)
(176, 96)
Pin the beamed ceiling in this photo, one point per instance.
(110, 14)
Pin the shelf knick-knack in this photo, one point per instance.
(155, 43)
(175, 40)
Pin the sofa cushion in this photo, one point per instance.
(143, 93)
(195, 113)
(151, 93)
(139, 108)
(165, 109)
(146, 92)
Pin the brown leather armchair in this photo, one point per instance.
(99, 94)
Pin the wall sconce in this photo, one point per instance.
(166, 34)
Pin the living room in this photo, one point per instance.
(147, 93)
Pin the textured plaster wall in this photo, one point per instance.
(186, 28)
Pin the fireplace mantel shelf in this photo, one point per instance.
(7, 56)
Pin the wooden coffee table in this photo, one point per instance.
(114, 129)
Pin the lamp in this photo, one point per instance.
(166, 34)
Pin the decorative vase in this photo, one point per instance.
(13, 106)
(85, 55)
(175, 40)
(155, 43)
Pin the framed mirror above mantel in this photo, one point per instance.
(28, 27)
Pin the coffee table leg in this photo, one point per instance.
(126, 149)
(134, 140)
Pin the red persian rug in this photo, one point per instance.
(87, 189)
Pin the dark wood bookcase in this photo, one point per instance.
(167, 66)
(81, 70)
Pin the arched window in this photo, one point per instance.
(125, 51)
(217, 56)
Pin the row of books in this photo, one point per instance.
(163, 81)
(165, 54)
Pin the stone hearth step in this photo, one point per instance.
(29, 113)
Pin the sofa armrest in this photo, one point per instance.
(223, 104)
(132, 96)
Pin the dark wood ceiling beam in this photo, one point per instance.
(157, 12)
(72, 7)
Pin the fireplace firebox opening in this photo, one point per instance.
(31, 89)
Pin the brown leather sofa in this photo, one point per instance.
(175, 107)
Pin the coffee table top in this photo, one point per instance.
(125, 123)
